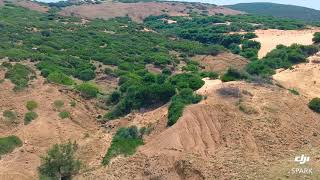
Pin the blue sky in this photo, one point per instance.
(315, 4)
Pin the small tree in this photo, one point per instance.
(60, 162)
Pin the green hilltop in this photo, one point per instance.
(279, 10)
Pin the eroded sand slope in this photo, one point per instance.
(252, 135)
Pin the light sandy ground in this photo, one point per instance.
(305, 78)
(269, 39)
(221, 62)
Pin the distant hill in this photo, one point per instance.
(279, 10)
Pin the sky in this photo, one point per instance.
(315, 4)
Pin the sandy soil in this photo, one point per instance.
(216, 139)
(221, 62)
(141, 10)
(48, 129)
(269, 39)
(303, 77)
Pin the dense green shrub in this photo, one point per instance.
(187, 80)
(281, 57)
(125, 142)
(250, 44)
(251, 54)
(31, 105)
(87, 90)
(233, 75)
(60, 78)
(316, 38)
(314, 104)
(60, 162)
(250, 35)
(86, 75)
(114, 98)
(179, 101)
(138, 96)
(29, 116)
(210, 74)
(8, 144)
(235, 48)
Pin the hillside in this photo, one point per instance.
(278, 10)
(140, 10)
(154, 90)
(227, 136)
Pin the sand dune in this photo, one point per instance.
(270, 38)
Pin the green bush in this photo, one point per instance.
(114, 98)
(10, 115)
(233, 75)
(316, 38)
(209, 74)
(8, 144)
(179, 101)
(60, 78)
(64, 114)
(31, 105)
(125, 142)
(314, 104)
(86, 75)
(87, 90)
(187, 80)
(60, 162)
(58, 104)
(29, 116)
(250, 35)
(294, 91)
(73, 103)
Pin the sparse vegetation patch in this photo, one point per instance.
(64, 114)
(31, 105)
(124, 142)
(20, 75)
(10, 115)
(8, 144)
(183, 98)
(29, 116)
